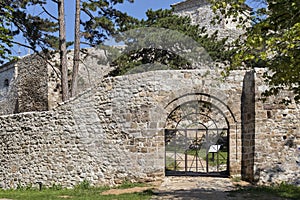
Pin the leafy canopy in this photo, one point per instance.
(273, 41)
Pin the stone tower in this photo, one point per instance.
(201, 13)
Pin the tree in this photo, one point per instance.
(63, 50)
(5, 37)
(217, 49)
(273, 41)
(15, 21)
(101, 20)
(76, 49)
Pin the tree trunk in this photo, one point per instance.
(76, 50)
(63, 50)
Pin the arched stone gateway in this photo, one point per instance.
(197, 134)
(116, 132)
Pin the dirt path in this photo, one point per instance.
(206, 188)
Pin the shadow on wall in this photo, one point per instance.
(248, 126)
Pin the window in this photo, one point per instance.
(6, 83)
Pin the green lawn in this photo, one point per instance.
(79, 193)
(221, 155)
(85, 192)
(282, 191)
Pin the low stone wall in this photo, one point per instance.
(75, 142)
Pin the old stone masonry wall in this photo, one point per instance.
(114, 132)
(277, 138)
(109, 134)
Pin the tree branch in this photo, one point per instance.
(88, 13)
(44, 9)
(86, 43)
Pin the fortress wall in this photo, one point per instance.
(114, 132)
(109, 134)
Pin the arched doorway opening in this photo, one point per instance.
(197, 140)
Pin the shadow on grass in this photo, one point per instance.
(280, 192)
(191, 194)
(277, 192)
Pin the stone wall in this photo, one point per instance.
(31, 84)
(277, 137)
(109, 134)
(93, 66)
(114, 132)
(201, 14)
(35, 84)
(248, 126)
(8, 94)
(27, 90)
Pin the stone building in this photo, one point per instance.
(33, 84)
(142, 127)
(201, 14)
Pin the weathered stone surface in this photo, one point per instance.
(106, 135)
(8, 93)
(112, 133)
(201, 14)
(33, 83)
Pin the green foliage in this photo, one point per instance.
(22, 187)
(5, 37)
(56, 187)
(128, 184)
(148, 59)
(282, 190)
(100, 20)
(84, 185)
(80, 192)
(175, 44)
(272, 41)
(236, 179)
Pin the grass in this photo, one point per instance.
(126, 185)
(171, 165)
(170, 162)
(283, 190)
(222, 158)
(82, 191)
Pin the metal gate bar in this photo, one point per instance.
(196, 159)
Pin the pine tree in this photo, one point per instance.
(181, 32)
(101, 20)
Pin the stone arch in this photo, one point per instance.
(209, 121)
(201, 96)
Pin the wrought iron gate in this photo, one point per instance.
(197, 140)
(196, 152)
